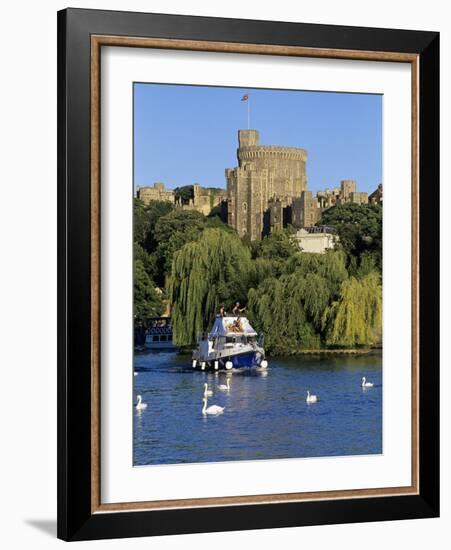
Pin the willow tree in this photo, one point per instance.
(356, 318)
(147, 300)
(206, 272)
(278, 309)
(331, 266)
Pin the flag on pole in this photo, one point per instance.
(245, 97)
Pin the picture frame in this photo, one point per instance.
(81, 36)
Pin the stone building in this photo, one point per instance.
(359, 197)
(265, 174)
(348, 193)
(155, 193)
(316, 240)
(203, 199)
(327, 198)
(376, 196)
(305, 211)
(275, 215)
(347, 187)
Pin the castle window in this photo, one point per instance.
(244, 206)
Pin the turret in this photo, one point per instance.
(247, 138)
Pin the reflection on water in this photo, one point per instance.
(266, 415)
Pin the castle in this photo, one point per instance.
(268, 189)
(265, 192)
(202, 199)
(156, 193)
(265, 175)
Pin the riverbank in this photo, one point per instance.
(338, 351)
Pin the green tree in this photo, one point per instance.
(148, 260)
(155, 210)
(272, 253)
(331, 266)
(368, 263)
(206, 272)
(359, 227)
(185, 193)
(216, 212)
(140, 222)
(276, 308)
(289, 308)
(356, 317)
(178, 221)
(172, 232)
(278, 245)
(147, 301)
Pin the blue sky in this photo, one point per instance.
(188, 134)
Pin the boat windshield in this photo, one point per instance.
(240, 339)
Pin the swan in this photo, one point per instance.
(311, 398)
(212, 409)
(207, 392)
(225, 387)
(135, 374)
(366, 384)
(140, 405)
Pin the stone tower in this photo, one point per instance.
(265, 173)
(347, 188)
(305, 211)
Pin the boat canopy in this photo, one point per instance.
(231, 325)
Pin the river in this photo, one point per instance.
(266, 415)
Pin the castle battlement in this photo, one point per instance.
(272, 151)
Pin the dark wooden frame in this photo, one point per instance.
(81, 33)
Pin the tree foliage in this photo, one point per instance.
(356, 317)
(140, 222)
(147, 302)
(184, 193)
(148, 260)
(359, 227)
(172, 232)
(205, 273)
(145, 218)
(298, 300)
(289, 309)
(271, 253)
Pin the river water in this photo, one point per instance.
(266, 415)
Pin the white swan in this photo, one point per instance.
(140, 405)
(207, 392)
(225, 387)
(135, 374)
(311, 398)
(366, 384)
(212, 409)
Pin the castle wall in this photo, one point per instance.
(305, 211)
(347, 188)
(155, 193)
(359, 197)
(264, 173)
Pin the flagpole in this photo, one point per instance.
(249, 113)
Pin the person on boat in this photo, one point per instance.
(236, 310)
(222, 312)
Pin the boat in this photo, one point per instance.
(231, 343)
(159, 334)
